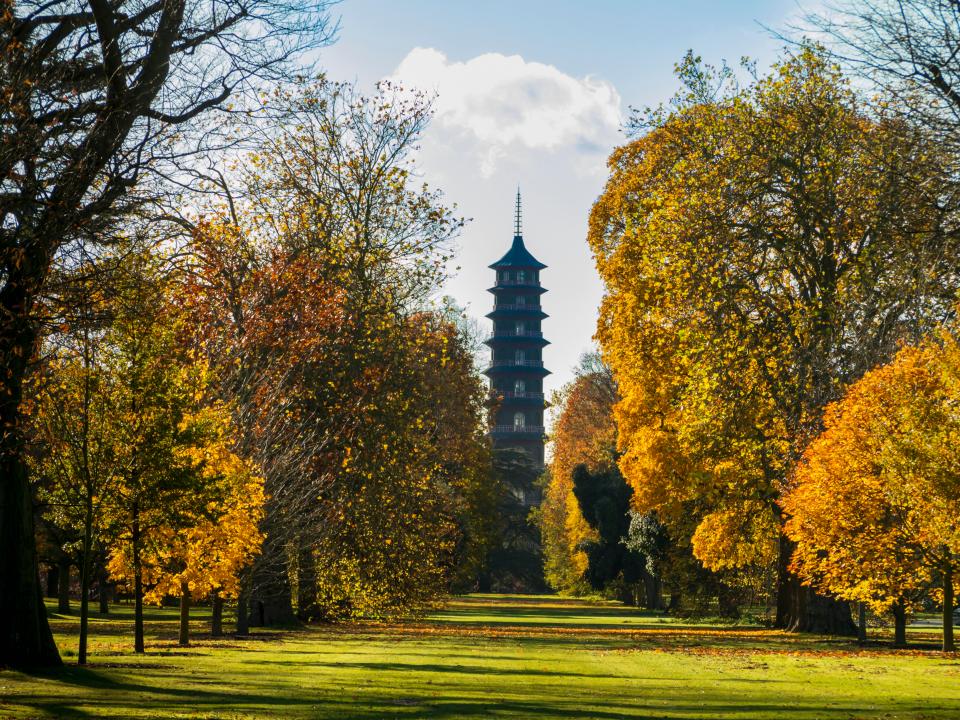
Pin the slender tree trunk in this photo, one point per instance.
(184, 639)
(63, 590)
(138, 645)
(801, 609)
(948, 644)
(216, 615)
(85, 577)
(899, 625)
(861, 623)
(53, 581)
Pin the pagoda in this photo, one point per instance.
(516, 369)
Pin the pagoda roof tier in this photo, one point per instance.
(518, 257)
(508, 368)
(516, 311)
(515, 341)
(514, 286)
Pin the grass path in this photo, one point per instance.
(489, 657)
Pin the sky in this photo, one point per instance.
(533, 93)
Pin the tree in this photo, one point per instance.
(312, 282)
(584, 433)
(200, 549)
(761, 248)
(876, 499)
(908, 49)
(604, 500)
(76, 468)
(95, 96)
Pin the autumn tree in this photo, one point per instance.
(584, 433)
(877, 495)
(908, 50)
(95, 97)
(761, 247)
(312, 281)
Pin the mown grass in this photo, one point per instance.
(489, 657)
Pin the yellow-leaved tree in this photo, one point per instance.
(761, 247)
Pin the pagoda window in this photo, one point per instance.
(505, 275)
(521, 300)
(521, 275)
(519, 421)
(520, 328)
(520, 356)
(519, 386)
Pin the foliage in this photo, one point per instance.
(584, 433)
(760, 252)
(875, 504)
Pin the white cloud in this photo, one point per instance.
(505, 103)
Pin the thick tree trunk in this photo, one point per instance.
(25, 636)
(138, 644)
(801, 609)
(63, 589)
(727, 602)
(271, 596)
(948, 644)
(216, 615)
(103, 590)
(243, 609)
(184, 638)
(861, 623)
(899, 625)
(306, 583)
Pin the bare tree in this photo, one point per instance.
(910, 49)
(94, 96)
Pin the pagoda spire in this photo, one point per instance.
(518, 217)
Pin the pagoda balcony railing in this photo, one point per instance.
(521, 395)
(511, 306)
(519, 283)
(514, 333)
(518, 363)
(529, 429)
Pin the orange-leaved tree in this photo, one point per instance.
(875, 508)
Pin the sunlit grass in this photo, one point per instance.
(489, 656)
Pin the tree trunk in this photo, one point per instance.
(727, 602)
(948, 644)
(306, 583)
(184, 638)
(25, 636)
(63, 589)
(216, 615)
(861, 623)
(243, 608)
(899, 625)
(103, 588)
(85, 568)
(801, 609)
(138, 645)
(271, 594)
(53, 581)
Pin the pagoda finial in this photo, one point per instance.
(517, 225)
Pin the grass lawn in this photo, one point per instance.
(488, 657)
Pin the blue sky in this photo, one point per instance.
(533, 92)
